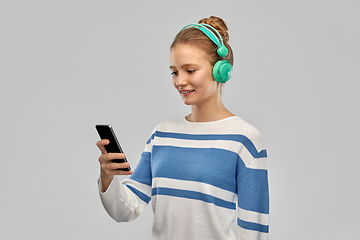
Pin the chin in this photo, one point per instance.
(191, 102)
(188, 103)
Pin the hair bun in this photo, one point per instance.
(219, 25)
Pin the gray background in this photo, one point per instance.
(68, 65)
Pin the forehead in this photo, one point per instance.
(185, 53)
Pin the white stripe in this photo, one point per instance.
(234, 125)
(250, 234)
(148, 147)
(219, 144)
(255, 217)
(202, 216)
(258, 163)
(194, 186)
(146, 189)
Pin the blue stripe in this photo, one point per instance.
(253, 226)
(253, 190)
(262, 154)
(229, 137)
(216, 167)
(194, 195)
(140, 194)
(142, 172)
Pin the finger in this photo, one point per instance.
(107, 170)
(101, 145)
(115, 156)
(121, 172)
(108, 157)
(116, 166)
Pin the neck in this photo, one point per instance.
(209, 111)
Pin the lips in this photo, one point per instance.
(187, 91)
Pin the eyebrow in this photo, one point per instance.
(185, 65)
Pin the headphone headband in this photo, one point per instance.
(205, 28)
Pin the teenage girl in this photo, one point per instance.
(204, 171)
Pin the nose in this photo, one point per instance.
(181, 80)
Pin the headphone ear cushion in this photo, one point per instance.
(222, 71)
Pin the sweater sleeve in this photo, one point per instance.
(125, 200)
(253, 199)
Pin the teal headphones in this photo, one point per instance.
(222, 70)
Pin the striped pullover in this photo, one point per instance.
(200, 177)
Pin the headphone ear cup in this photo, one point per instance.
(222, 71)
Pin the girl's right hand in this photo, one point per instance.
(108, 168)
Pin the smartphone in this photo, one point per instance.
(107, 132)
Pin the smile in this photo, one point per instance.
(188, 91)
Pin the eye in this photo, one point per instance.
(174, 73)
(190, 71)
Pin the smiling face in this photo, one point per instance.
(192, 75)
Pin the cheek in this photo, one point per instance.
(206, 82)
(212, 87)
